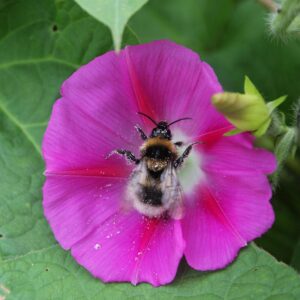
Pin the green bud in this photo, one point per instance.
(247, 112)
(286, 21)
(284, 148)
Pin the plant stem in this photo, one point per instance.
(269, 4)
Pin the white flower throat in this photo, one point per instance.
(190, 174)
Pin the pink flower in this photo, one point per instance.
(225, 190)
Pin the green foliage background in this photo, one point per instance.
(41, 44)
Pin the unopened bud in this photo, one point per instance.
(284, 148)
(285, 22)
(247, 112)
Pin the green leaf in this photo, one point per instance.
(113, 13)
(47, 41)
(51, 273)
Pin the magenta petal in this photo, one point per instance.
(236, 154)
(102, 91)
(96, 115)
(172, 82)
(76, 140)
(211, 240)
(76, 205)
(232, 207)
(229, 211)
(245, 200)
(130, 247)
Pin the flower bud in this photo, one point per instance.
(285, 22)
(284, 148)
(247, 112)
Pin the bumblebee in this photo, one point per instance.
(154, 188)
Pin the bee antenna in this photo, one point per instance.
(179, 121)
(143, 114)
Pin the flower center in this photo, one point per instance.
(190, 174)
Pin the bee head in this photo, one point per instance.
(162, 131)
(162, 128)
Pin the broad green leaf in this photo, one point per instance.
(41, 44)
(51, 273)
(113, 13)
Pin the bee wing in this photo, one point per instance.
(172, 192)
(137, 179)
(139, 174)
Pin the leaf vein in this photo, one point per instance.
(15, 121)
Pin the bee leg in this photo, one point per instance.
(178, 144)
(129, 155)
(179, 161)
(141, 132)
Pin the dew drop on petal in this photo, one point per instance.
(97, 246)
(109, 236)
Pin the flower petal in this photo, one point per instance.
(211, 240)
(77, 140)
(102, 90)
(232, 206)
(75, 205)
(175, 84)
(229, 211)
(236, 154)
(96, 115)
(245, 200)
(130, 247)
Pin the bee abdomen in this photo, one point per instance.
(151, 196)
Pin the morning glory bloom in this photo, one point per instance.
(225, 190)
